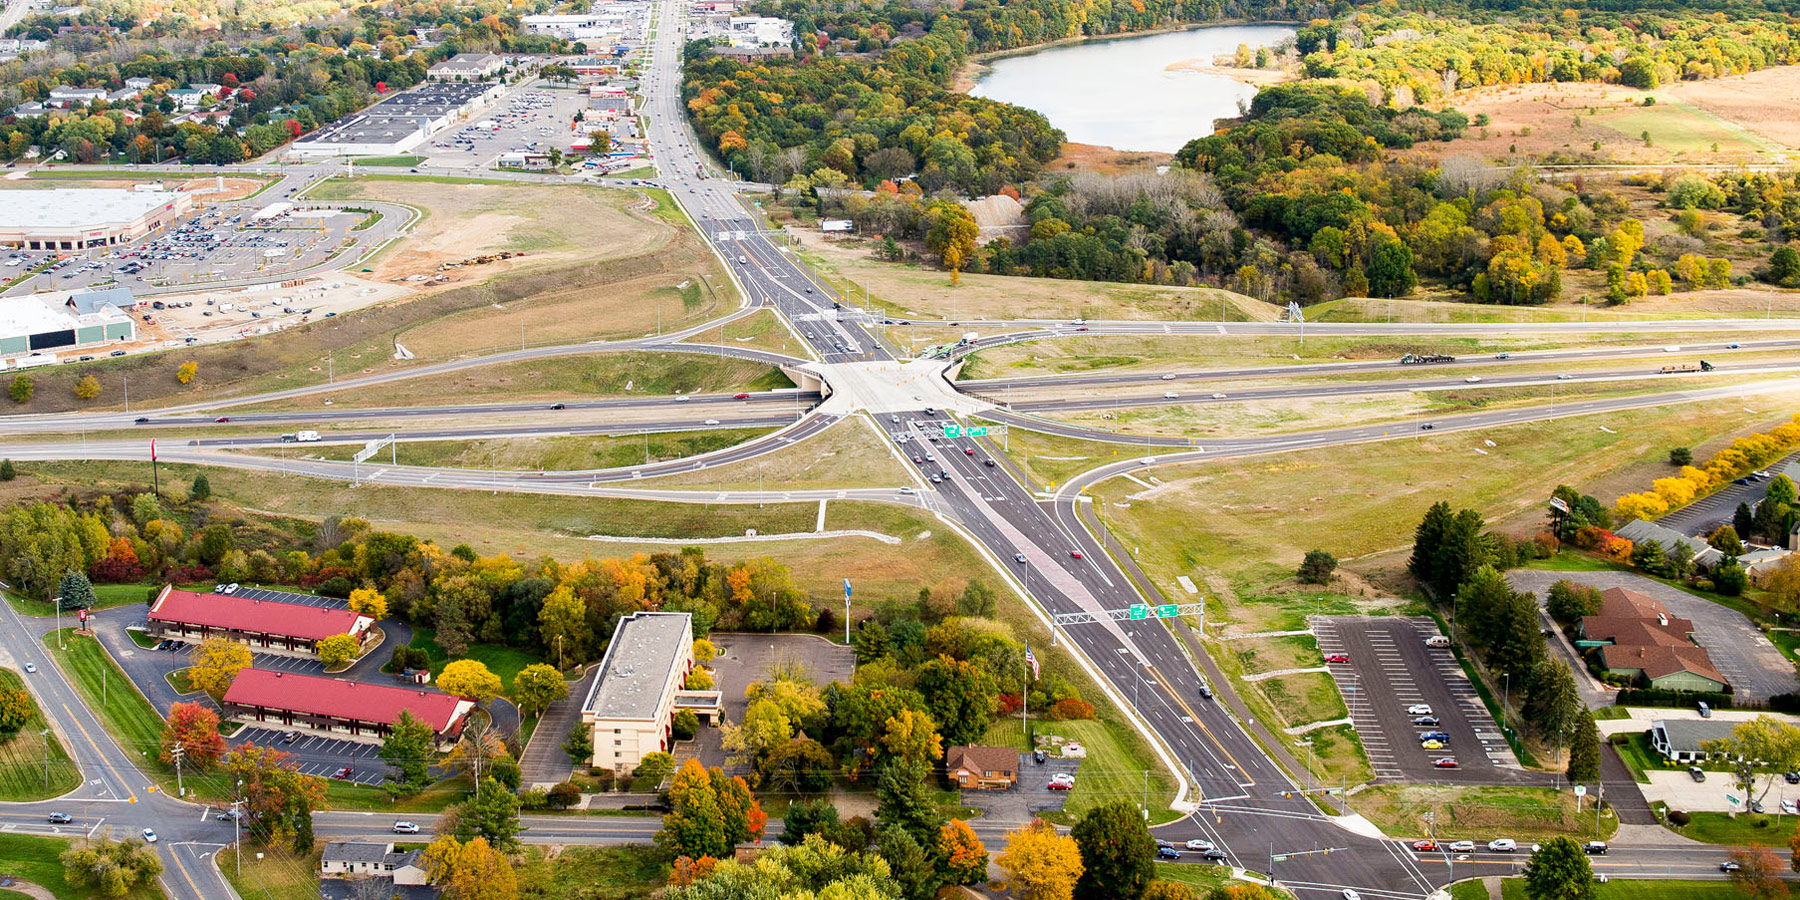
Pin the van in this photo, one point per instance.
(1705, 710)
(227, 307)
(1437, 640)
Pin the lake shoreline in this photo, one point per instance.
(977, 64)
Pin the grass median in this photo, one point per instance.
(127, 715)
(1525, 814)
(34, 859)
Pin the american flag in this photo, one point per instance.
(1031, 660)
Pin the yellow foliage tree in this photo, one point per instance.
(912, 736)
(1041, 864)
(337, 649)
(965, 858)
(185, 374)
(87, 388)
(471, 871)
(216, 662)
(370, 603)
(470, 678)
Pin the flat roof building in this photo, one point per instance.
(280, 629)
(399, 123)
(79, 218)
(63, 319)
(342, 708)
(631, 703)
(468, 67)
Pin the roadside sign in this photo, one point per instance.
(1166, 611)
(1140, 611)
(1581, 790)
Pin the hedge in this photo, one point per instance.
(1657, 697)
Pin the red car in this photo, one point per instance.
(1075, 553)
(740, 396)
(968, 451)
(1337, 657)
(1425, 845)
(222, 419)
(1445, 763)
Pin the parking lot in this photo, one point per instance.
(536, 119)
(1390, 669)
(289, 597)
(1756, 668)
(322, 756)
(1029, 798)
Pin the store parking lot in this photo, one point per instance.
(289, 597)
(1390, 669)
(320, 755)
(536, 119)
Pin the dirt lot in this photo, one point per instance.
(549, 223)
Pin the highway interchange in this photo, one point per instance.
(1230, 790)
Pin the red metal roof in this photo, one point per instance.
(260, 616)
(375, 703)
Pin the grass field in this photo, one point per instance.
(761, 330)
(558, 378)
(502, 661)
(846, 455)
(109, 595)
(272, 874)
(134, 723)
(1525, 814)
(624, 872)
(33, 765)
(1303, 699)
(1249, 521)
(1199, 877)
(390, 160)
(34, 859)
(1749, 829)
(557, 454)
(1336, 755)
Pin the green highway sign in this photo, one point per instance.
(1166, 611)
(1139, 611)
(952, 431)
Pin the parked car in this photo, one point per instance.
(1503, 845)
(1039, 756)
(1445, 763)
(1064, 779)
(1426, 720)
(1418, 709)
(344, 773)
(1337, 657)
(149, 836)
(1434, 736)
(1431, 745)
(1696, 773)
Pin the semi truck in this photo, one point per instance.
(1704, 366)
(1413, 359)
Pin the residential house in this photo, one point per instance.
(1682, 740)
(343, 862)
(65, 96)
(982, 768)
(1640, 531)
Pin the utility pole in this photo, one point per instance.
(44, 737)
(178, 751)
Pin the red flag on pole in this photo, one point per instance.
(153, 450)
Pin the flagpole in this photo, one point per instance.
(155, 480)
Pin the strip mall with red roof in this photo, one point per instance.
(281, 629)
(345, 709)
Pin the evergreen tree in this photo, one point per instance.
(904, 802)
(408, 747)
(910, 866)
(76, 592)
(1584, 750)
(1428, 542)
(1743, 521)
(7, 472)
(1317, 567)
(806, 817)
(493, 813)
(201, 489)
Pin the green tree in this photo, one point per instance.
(797, 765)
(492, 813)
(1584, 750)
(806, 817)
(1118, 855)
(910, 865)
(1763, 746)
(1317, 567)
(7, 472)
(111, 868)
(684, 725)
(22, 388)
(76, 592)
(1681, 456)
(537, 686)
(1567, 601)
(904, 802)
(1390, 270)
(215, 540)
(960, 696)
(1784, 267)
(410, 747)
(579, 745)
(1559, 870)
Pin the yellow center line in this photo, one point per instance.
(97, 752)
(1195, 715)
(175, 855)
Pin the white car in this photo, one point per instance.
(1351, 895)
(1218, 396)
(1198, 844)
(1062, 778)
(405, 828)
(1419, 709)
(712, 421)
(1169, 377)
(1463, 847)
(1171, 395)
(1503, 845)
(1472, 379)
(149, 836)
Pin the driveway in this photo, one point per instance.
(145, 667)
(1027, 799)
(544, 761)
(1756, 667)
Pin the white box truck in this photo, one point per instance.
(305, 437)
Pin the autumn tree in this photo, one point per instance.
(1763, 746)
(960, 853)
(709, 813)
(952, 235)
(470, 678)
(16, 709)
(337, 649)
(469, 870)
(195, 728)
(1041, 864)
(911, 736)
(216, 663)
(1118, 855)
(1168, 890)
(186, 372)
(371, 603)
(278, 799)
(1758, 873)
(87, 388)
(537, 686)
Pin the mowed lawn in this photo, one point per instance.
(272, 874)
(108, 595)
(134, 723)
(505, 662)
(1630, 889)
(1525, 814)
(33, 765)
